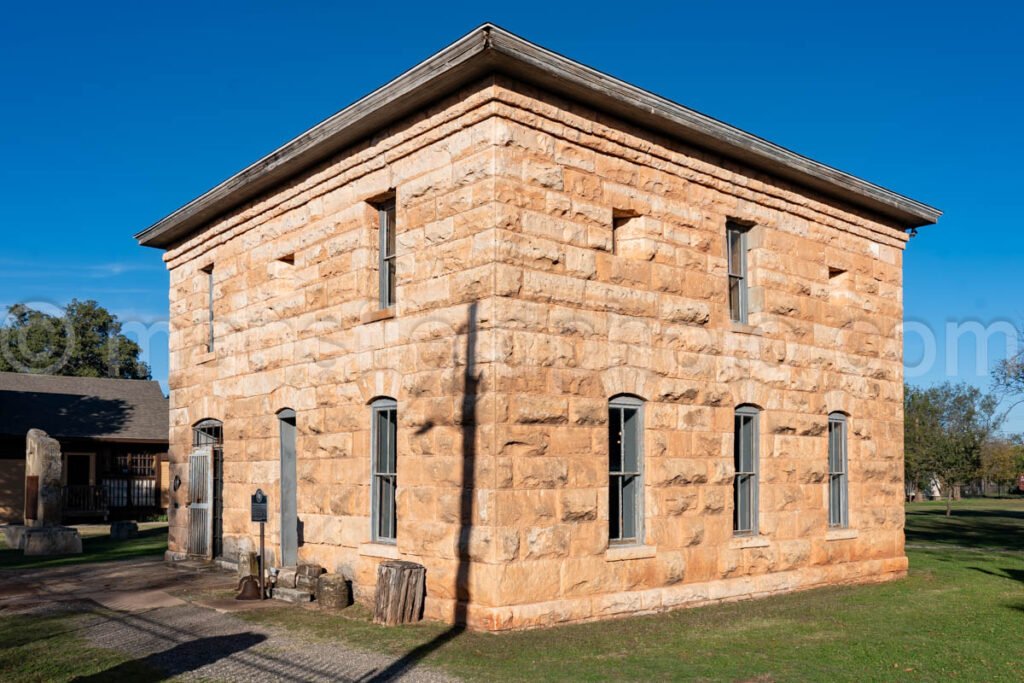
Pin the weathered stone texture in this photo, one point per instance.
(505, 206)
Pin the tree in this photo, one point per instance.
(946, 428)
(1008, 375)
(1002, 461)
(84, 341)
(920, 427)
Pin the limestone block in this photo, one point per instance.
(52, 540)
(294, 595)
(333, 591)
(248, 564)
(123, 530)
(286, 577)
(307, 575)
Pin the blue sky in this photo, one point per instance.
(114, 114)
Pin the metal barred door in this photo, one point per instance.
(200, 517)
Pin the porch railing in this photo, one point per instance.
(83, 499)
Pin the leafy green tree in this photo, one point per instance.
(1002, 461)
(946, 428)
(84, 341)
(920, 429)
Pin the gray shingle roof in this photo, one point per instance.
(83, 407)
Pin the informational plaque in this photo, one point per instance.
(258, 506)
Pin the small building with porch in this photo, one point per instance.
(113, 439)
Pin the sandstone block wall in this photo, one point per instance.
(519, 315)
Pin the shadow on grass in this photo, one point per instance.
(149, 542)
(1012, 574)
(971, 528)
(178, 660)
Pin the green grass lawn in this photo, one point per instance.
(958, 615)
(52, 649)
(97, 546)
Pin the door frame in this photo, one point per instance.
(92, 466)
(289, 530)
(206, 504)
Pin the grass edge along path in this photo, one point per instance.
(958, 614)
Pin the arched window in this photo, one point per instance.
(838, 479)
(625, 470)
(207, 432)
(746, 457)
(384, 468)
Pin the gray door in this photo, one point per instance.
(199, 519)
(289, 513)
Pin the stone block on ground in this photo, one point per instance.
(295, 595)
(123, 530)
(14, 535)
(248, 564)
(306, 576)
(333, 591)
(53, 540)
(286, 577)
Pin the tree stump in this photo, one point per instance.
(400, 589)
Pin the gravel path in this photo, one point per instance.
(185, 640)
(201, 644)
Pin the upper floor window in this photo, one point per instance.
(386, 251)
(625, 464)
(838, 499)
(384, 430)
(209, 307)
(745, 484)
(736, 256)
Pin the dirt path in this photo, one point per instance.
(141, 609)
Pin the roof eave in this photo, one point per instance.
(489, 49)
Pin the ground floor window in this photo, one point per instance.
(625, 479)
(745, 484)
(385, 469)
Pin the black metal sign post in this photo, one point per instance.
(258, 512)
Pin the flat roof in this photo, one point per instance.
(491, 49)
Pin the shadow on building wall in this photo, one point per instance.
(470, 385)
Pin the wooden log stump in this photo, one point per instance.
(400, 589)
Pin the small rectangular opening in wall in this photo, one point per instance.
(834, 273)
(620, 218)
(288, 259)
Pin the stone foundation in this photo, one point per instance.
(681, 596)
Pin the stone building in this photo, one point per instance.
(578, 350)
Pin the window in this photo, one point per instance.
(745, 454)
(209, 306)
(386, 260)
(838, 505)
(207, 433)
(736, 255)
(625, 482)
(385, 459)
